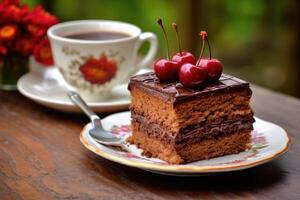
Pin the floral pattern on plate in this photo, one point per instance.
(268, 142)
(258, 142)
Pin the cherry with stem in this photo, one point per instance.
(191, 75)
(165, 69)
(213, 66)
(182, 56)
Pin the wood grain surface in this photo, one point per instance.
(41, 157)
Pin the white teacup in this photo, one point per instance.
(93, 67)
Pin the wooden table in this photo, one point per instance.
(41, 157)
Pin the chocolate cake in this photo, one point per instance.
(179, 124)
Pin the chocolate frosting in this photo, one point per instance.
(175, 92)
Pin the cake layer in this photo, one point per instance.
(205, 149)
(153, 147)
(175, 117)
(195, 134)
(211, 148)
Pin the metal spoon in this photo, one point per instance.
(97, 132)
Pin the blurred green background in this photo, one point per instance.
(257, 40)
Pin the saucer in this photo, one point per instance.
(48, 88)
(268, 142)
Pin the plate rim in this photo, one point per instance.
(62, 103)
(184, 168)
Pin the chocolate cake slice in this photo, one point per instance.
(179, 124)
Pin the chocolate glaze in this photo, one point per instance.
(206, 131)
(175, 92)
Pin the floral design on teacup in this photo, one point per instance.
(99, 71)
(89, 72)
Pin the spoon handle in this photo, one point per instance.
(77, 100)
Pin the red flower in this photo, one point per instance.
(11, 2)
(40, 18)
(2, 50)
(21, 29)
(12, 12)
(35, 30)
(42, 52)
(24, 45)
(8, 32)
(99, 71)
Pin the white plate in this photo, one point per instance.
(49, 89)
(268, 142)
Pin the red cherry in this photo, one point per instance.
(184, 57)
(213, 67)
(191, 75)
(166, 70)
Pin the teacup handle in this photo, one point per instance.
(146, 61)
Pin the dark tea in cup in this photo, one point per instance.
(98, 35)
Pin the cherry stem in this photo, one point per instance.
(208, 48)
(201, 53)
(159, 21)
(204, 37)
(175, 27)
